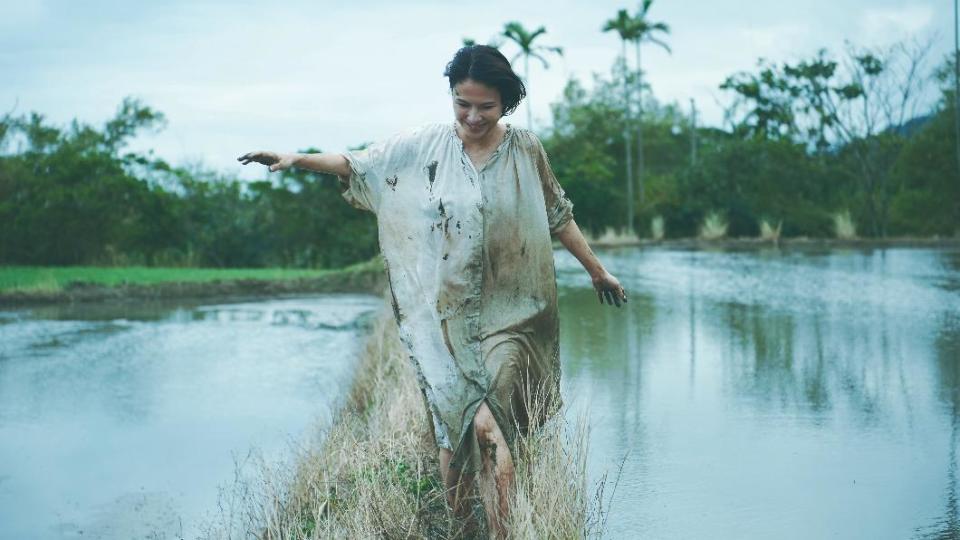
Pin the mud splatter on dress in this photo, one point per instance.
(470, 266)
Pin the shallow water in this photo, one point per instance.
(771, 394)
(745, 394)
(123, 421)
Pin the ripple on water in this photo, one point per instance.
(893, 281)
(771, 394)
(121, 420)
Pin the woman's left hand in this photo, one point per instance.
(609, 287)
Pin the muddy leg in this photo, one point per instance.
(497, 473)
(458, 488)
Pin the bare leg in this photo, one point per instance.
(497, 473)
(458, 487)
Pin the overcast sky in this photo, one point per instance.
(243, 75)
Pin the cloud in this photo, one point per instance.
(17, 15)
(774, 40)
(883, 25)
(237, 75)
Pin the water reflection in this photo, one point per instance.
(758, 393)
(947, 526)
(120, 420)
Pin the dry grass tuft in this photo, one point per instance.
(770, 233)
(843, 226)
(375, 473)
(552, 498)
(657, 228)
(612, 237)
(714, 227)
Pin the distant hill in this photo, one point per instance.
(913, 126)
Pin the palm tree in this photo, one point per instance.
(956, 77)
(515, 32)
(624, 25)
(644, 30)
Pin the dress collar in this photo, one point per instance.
(507, 134)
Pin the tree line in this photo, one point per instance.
(854, 139)
(857, 137)
(71, 195)
(828, 145)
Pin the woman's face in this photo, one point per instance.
(477, 108)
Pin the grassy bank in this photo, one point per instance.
(25, 285)
(58, 278)
(375, 472)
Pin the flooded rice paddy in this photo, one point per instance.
(771, 394)
(754, 393)
(123, 421)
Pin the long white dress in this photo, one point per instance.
(470, 265)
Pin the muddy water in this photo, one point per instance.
(120, 421)
(771, 394)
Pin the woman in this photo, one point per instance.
(465, 215)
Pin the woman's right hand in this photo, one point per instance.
(276, 162)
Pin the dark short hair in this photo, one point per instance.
(489, 66)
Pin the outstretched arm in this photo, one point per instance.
(605, 284)
(330, 163)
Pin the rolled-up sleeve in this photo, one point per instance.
(359, 188)
(374, 167)
(559, 207)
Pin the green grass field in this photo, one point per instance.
(57, 278)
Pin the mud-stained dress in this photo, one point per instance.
(470, 265)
